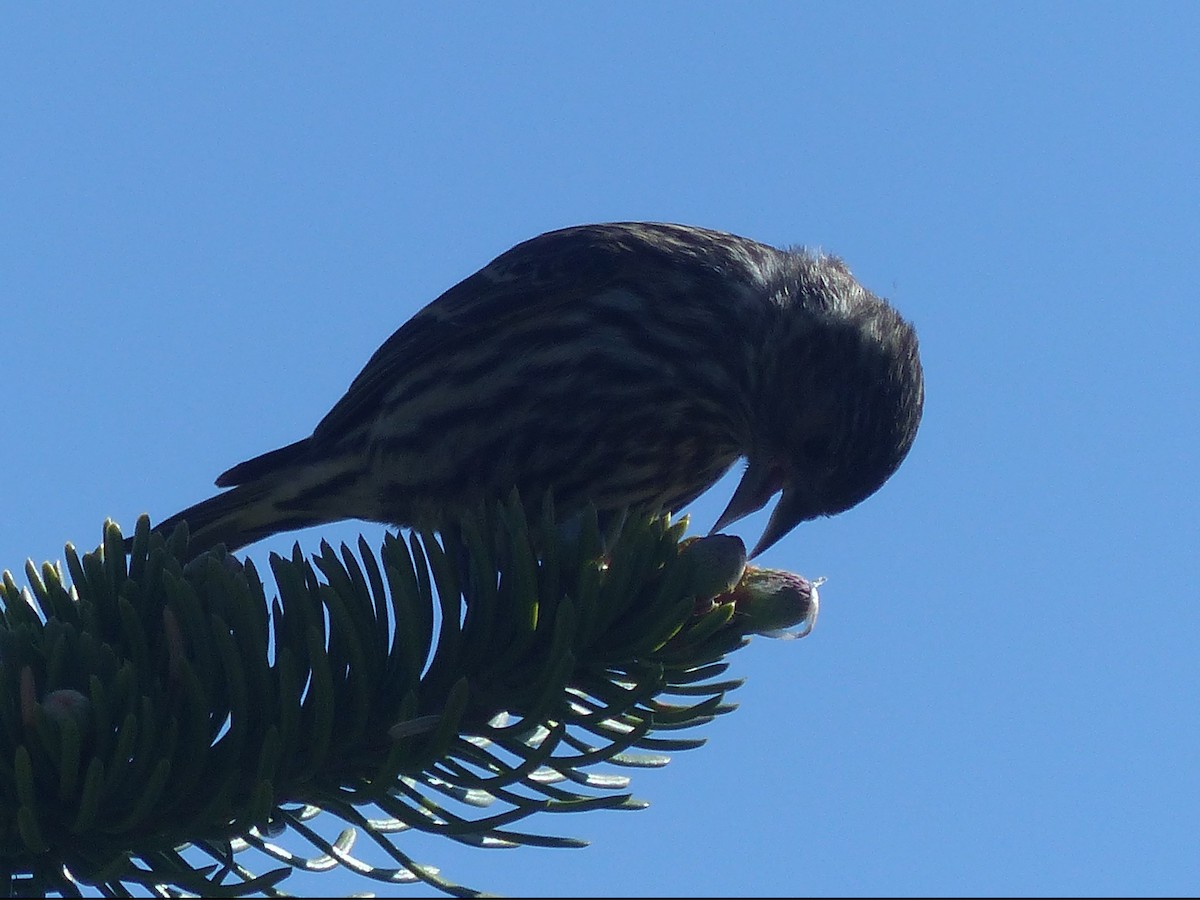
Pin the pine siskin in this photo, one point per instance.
(629, 365)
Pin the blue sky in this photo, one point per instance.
(211, 218)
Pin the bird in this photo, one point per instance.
(627, 365)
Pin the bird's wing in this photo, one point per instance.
(528, 282)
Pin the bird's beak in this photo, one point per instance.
(790, 511)
(761, 482)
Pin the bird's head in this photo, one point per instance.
(839, 399)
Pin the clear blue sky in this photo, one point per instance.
(209, 219)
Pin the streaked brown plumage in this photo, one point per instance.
(626, 364)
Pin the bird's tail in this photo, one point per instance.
(237, 518)
(265, 465)
(270, 499)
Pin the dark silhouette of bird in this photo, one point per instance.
(626, 365)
